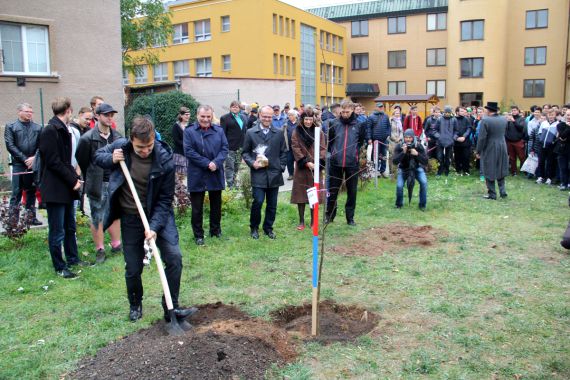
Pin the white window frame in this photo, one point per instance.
(162, 70)
(436, 21)
(437, 54)
(179, 38)
(141, 74)
(184, 64)
(202, 30)
(226, 62)
(400, 87)
(439, 86)
(207, 63)
(25, 50)
(226, 26)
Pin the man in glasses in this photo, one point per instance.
(97, 178)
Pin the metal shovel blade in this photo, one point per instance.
(172, 327)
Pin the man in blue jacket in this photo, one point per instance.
(378, 128)
(152, 169)
(206, 149)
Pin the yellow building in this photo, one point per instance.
(264, 39)
(466, 52)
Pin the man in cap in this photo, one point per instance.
(378, 128)
(411, 158)
(278, 118)
(97, 178)
(492, 150)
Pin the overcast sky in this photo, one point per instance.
(304, 4)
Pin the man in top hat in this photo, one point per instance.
(492, 150)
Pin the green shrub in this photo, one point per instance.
(163, 109)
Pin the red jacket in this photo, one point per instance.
(93, 121)
(415, 123)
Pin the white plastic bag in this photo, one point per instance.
(530, 165)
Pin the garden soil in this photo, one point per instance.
(224, 344)
(390, 238)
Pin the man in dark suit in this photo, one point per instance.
(265, 152)
(234, 124)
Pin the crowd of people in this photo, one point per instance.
(80, 156)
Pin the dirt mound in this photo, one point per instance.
(390, 239)
(225, 344)
(337, 323)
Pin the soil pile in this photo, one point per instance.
(224, 344)
(337, 323)
(390, 238)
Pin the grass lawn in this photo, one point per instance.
(489, 301)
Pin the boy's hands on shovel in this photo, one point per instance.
(150, 235)
(118, 156)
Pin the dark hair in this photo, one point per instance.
(538, 108)
(307, 135)
(182, 111)
(142, 128)
(94, 100)
(60, 105)
(514, 107)
(235, 103)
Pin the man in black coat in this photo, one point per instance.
(234, 124)
(59, 187)
(515, 136)
(22, 139)
(265, 152)
(346, 136)
(462, 145)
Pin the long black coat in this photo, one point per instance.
(492, 147)
(276, 152)
(58, 177)
(234, 134)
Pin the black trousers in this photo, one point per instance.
(132, 234)
(336, 175)
(462, 158)
(270, 196)
(197, 201)
(491, 187)
(444, 158)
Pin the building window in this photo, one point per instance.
(204, 67)
(396, 25)
(292, 28)
(537, 19)
(280, 25)
(340, 73)
(125, 77)
(225, 23)
(471, 98)
(160, 72)
(535, 56)
(436, 87)
(436, 21)
(287, 65)
(141, 74)
(274, 23)
(397, 88)
(286, 26)
(340, 45)
(471, 67)
(226, 62)
(533, 88)
(293, 66)
(180, 34)
(202, 30)
(307, 67)
(359, 28)
(436, 57)
(360, 61)
(334, 43)
(281, 64)
(397, 59)
(472, 30)
(181, 68)
(275, 64)
(25, 49)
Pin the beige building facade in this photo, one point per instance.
(51, 50)
(464, 51)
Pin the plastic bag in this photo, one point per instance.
(530, 164)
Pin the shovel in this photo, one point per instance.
(172, 327)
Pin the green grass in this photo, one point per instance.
(490, 300)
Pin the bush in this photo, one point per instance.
(245, 186)
(15, 221)
(163, 109)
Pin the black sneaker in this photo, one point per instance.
(36, 222)
(100, 257)
(135, 312)
(66, 273)
(117, 249)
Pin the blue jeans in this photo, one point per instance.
(61, 229)
(259, 195)
(421, 178)
(382, 151)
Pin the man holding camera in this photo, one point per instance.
(411, 159)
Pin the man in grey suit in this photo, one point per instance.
(492, 150)
(265, 152)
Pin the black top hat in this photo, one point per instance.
(492, 106)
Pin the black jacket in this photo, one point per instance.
(563, 140)
(464, 128)
(378, 126)
(234, 134)
(276, 152)
(446, 131)
(88, 145)
(251, 120)
(22, 141)
(58, 177)
(516, 129)
(346, 136)
(178, 139)
(430, 128)
(404, 160)
(160, 190)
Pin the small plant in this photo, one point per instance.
(181, 198)
(433, 166)
(14, 221)
(245, 187)
(366, 168)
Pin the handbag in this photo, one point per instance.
(530, 164)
